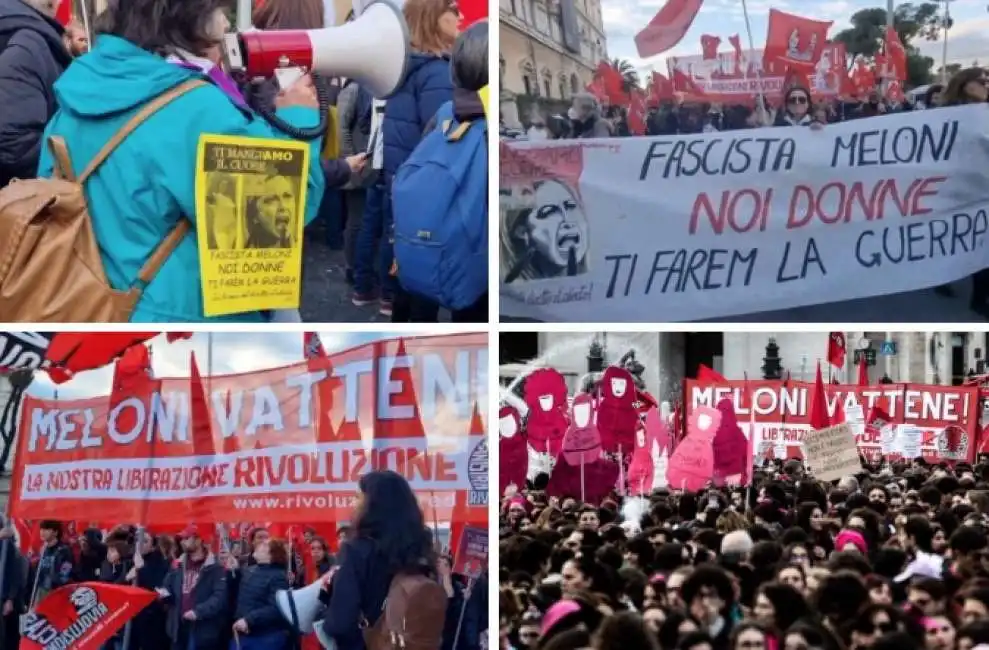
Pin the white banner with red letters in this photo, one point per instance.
(947, 416)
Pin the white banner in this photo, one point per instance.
(709, 226)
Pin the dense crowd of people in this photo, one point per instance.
(53, 83)
(219, 594)
(587, 118)
(893, 558)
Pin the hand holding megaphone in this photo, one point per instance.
(301, 93)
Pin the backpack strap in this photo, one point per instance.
(142, 115)
(63, 169)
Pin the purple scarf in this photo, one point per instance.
(220, 79)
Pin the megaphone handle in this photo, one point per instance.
(236, 640)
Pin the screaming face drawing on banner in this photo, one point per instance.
(545, 234)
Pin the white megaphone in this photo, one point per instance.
(306, 604)
(373, 49)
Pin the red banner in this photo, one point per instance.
(782, 412)
(736, 77)
(256, 446)
(82, 616)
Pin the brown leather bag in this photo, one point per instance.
(413, 616)
(50, 265)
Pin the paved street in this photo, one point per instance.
(325, 292)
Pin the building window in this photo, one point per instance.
(548, 86)
(562, 81)
(501, 68)
(574, 84)
(529, 78)
(515, 9)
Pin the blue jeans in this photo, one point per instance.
(331, 212)
(371, 264)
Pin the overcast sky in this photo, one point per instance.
(232, 353)
(967, 41)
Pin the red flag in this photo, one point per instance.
(597, 89)
(836, 349)
(795, 78)
(683, 83)
(708, 376)
(668, 27)
(133, 366)
(794, 40)
(202, 428)
(709, 46)
(172, 337)
(637, 112)
(661, 88)
(896, 56)
(318, 361)
(83, 616)
(73, 352)
(736, 45)
(472, 11)
(894, 91)
(64, 12)
(863, 371)
(612, 82)
(819, 418)
(863, 79)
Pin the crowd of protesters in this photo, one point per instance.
(895, 558)
(52, 83)
(214, 595)
(587, 118)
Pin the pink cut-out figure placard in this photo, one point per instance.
(617, 416)
(692, 463)
(546, 396)
(582, 444)
(513, 460)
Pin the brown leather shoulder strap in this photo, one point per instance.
(61, 158)
(146, 111)
(162, 253)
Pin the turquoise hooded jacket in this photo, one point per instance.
(148, 183)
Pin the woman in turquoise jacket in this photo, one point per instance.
(143, 49)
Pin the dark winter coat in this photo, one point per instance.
(427, 86)
(12, 587)
(256, 598)
(357, 592)
(210, 603)
(91, 561)
(56, 568)
(32, 57)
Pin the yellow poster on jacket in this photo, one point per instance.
(250, 212)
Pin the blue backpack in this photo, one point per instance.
(440, 204)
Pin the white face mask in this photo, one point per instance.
(582, 415)
(618, 386)
(507, 426)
